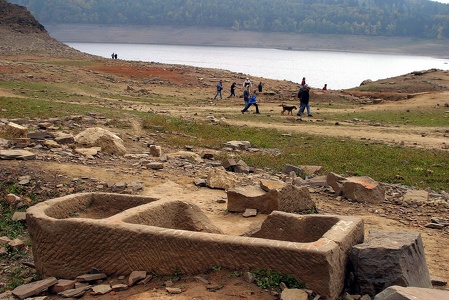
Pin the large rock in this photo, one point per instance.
(411, 293)
(17, 154)
(34, 288)
(361, 189)
(219, 178)
(389, 258)
(14, 130)
(289, 199)
(99, 137)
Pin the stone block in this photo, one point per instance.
(389, 258)
(411, 293)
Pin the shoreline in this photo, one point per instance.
(192, 36)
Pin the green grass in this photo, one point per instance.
(430, 117)
(400, 165)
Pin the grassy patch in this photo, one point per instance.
(268, 279)
(399, 165)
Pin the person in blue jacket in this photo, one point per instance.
(219, 88)
(252, 101)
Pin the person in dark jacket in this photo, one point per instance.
(304, 97)
(260, 87)
(246, 95)
(232, 89)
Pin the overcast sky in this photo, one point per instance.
(442, 1)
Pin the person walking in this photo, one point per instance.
(303, 82)
(232, 89)
(325, 87)
(247, 83)
(219, 88)
(246, 95)
(260, 87)
(304, 97)
(252, 101)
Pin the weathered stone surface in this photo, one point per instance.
(101, 289)
(241, 167)
(411, 293)
(135, 276)
(187, 155)
(11, 199)
(4, 144)
(119, 287)
(19, 216)
(65, 138)
(131, 223)
(75, 293)
(99, 137)
(229, 164)
(40, 135)
(90, 277)
(238, 145)
(295, 199)
(389, 258)
(62, 285)
(298, 171)
(360, 189)
(314, 182)
(241, 198)
(155, 151)
(363, 189)
(17, 154)
(289, 199)
(416, 196)
(249, 213)
(34, 288)
(173, 290)
(294, 294)
(335, 181)
(268, 185)
(312, 170)
(219, 178)
(92, 151)
(51, 144)
(155, 165)
(14, 130)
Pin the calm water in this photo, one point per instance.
(339, 70)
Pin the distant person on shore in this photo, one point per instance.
(246, 95)
(325, 87)
(115, 55)
(248, 83)
(232, 89)
(303, 82)
(260, 87)
(304, 97)
(219, 88)
(252, 101)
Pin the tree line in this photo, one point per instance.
(415, 18)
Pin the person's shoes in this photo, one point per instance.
(257, 113)
(298, 114)
(242, 112)
(310, 116)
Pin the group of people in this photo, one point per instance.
(114, 55)
(246, 83)
(303, 95)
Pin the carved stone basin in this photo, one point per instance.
(119, 234)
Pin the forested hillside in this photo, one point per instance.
(420, 18)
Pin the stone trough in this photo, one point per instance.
(119, 234)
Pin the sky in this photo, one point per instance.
(442, 1)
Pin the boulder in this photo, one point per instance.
(360, 189)
(411, 293)
(218, 178)
(289, 199)
(238, 145)
(99, 137)
(14, 130)
(389, 258)
(294, 294)
(298, 171)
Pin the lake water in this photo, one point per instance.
(340, 70)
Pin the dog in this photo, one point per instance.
(288, 109)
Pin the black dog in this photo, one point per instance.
(287, 108)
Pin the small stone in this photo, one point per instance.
(135, 276)
(173, 290)
(90, 277)
(101, 289)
